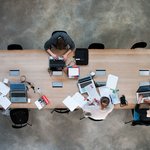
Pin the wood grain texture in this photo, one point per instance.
(124, 63)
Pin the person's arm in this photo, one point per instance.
(48, 46)
(52, 54)
(65, 56)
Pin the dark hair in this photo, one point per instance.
(104, 100)
(60, 43)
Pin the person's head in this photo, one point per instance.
(60, 43)
(104, 102)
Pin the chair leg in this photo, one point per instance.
(82, 118)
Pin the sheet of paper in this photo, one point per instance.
(4, 89)
(104, 91)
(70, 103)
(4, 102)
(79, 99)
(112, 81)
(92, 92)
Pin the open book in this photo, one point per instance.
(73, 102)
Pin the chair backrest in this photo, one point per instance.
(14, 47)
(58, 31)
(95, 119)
(19, 117)
(61, 110)
(139, 45)
(139, 116)
(96, 46)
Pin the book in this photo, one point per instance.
(73, 102)
(42, 102)
(73, 71)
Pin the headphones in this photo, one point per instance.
(23, 80)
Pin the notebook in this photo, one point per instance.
(56, 64)
(18, 93)
(83, 82)
(143, 91)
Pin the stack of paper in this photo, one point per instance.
(73, 102)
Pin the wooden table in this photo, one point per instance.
(124, 63)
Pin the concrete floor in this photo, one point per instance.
(117, 24)
(68, 132)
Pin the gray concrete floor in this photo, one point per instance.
(67, 132)
(117, 24)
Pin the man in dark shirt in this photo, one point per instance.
(61, 41)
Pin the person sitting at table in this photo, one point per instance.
(59, 40)
(99, 109)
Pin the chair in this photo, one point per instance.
(87, 115)
(19, 117)
(58, 31)
(96, 46)
(139, 117)
(61, 110)
(139, 45)
(14, 47)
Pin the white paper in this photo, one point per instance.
(38, 104)
(4, 89)
(79, 99)
(73, 102)
(73, 72)
(92, 92)
(4, 102)
(70, 103)
(115, 99)
(104, 91)
(112, 81)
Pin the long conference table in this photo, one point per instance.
(124, 63)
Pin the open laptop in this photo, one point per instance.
(143, 91)
(18, 93)
(56, 64)
(83, 82)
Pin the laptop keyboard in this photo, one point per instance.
(84, 84)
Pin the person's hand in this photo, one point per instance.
(65, 57)
(147, 101)
(54, 56)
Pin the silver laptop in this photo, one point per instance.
(143, 91)
(83, 82)
(18, 93)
